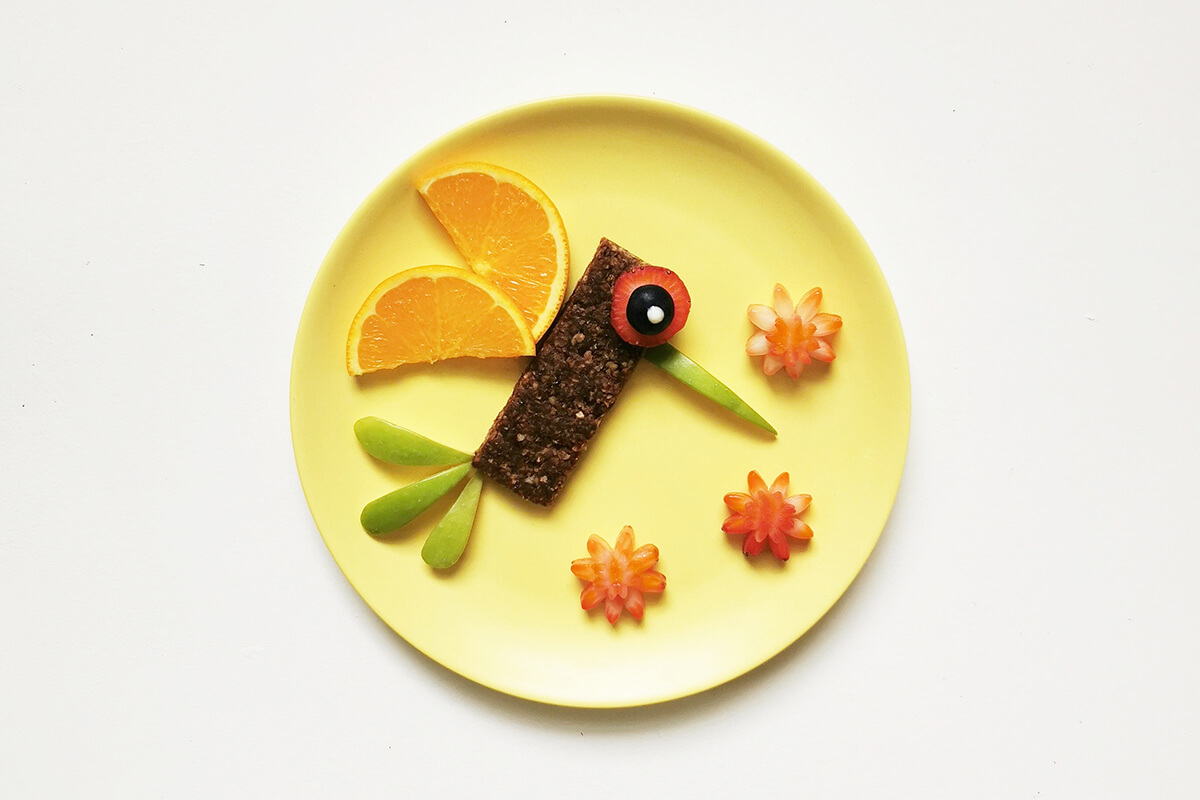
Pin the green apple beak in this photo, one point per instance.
(696, 377)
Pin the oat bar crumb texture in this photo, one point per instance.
(559, 401)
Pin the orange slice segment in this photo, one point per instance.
(508, 231)
(433, 313)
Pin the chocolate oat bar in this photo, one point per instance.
(559, 401)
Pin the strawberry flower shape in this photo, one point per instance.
(790, 338)
(618, 575)
(767, 515)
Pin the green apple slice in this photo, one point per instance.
(447, 541)
(396, 509)
(691, 374)
(397, 445)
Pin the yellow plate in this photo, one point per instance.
(733, 216)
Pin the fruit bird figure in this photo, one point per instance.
(620, 311)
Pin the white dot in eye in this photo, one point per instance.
(655, 315)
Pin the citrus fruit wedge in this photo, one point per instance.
(508, 231)
(433, 313)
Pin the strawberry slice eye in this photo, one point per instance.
(650, 305)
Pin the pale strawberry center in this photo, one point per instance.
(792, 340)
(617, 576)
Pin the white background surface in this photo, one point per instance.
(171, 176)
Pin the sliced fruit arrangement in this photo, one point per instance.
(791, 337)
(513, 239)
(390, 513)
(432, 313)
(767, 515)
(619, 576)
(619, 306)
(508, 231)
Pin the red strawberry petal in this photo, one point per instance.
(800, 530)
(643, 558)
(799, 502)
(781, 301)
(762, 317)
(597, 547)
(737, 501)
(625, 541)
(651, 581)
(737, 523)
(779, 547)
(585, 568)
(757, 344)
(635, 603)
(591, 595)
(808, 304)
(771, 365)
(826, 324)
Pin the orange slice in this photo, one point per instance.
(508, 231)
(432, 313)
